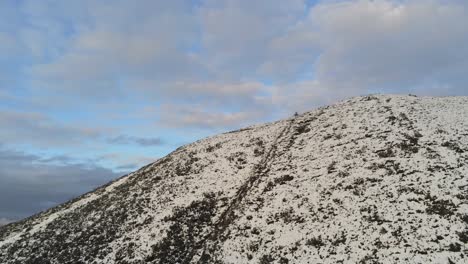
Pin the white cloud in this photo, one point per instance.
(394, 45)
(235, 33)
(216, 56)
(141, 141)
(237, 95)
(198, 117)
(304, 95)
(348, 48)
(342, 48)
(215, 105)
(111, 43)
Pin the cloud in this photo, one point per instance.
(302, 96)
(224, 57)
(235, 33)
(116, 49)
(227, 58)
(125, 162)
(4, 221)
(395, 46)
(215, 105)
(127, 167)
(225, 95)
(180, 116)
(38, 129)
(348, 48)
(117, 41)
(35, 183)
(141, 141)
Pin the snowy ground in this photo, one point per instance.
(377, 179)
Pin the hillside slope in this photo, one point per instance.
(376, 179)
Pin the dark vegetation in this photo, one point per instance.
(83, 235)
(440, 207)
(188, 225)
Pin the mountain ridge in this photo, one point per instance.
(311, 188)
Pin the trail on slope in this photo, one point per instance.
(260, 171)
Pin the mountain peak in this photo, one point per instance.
(372, 179)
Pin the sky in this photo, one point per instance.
(93, 89)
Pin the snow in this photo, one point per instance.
(370, 179)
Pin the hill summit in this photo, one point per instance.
(375, 179)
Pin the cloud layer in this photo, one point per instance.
(213, 51)
(4, 221)
(30, 184)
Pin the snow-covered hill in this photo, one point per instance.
(376, 179)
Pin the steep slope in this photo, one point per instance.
(377, 179)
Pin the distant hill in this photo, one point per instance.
(375, 179)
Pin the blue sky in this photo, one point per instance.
(90, 90)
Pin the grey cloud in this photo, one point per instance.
(124, 161)
(348, 48)
(30, 184)
(178, 116)
(101, 60)
(394, 46)
(305, 95)
(4, 221)
(141, 141)
(120, 41)
(40, 130)
(215, 105)
(210, 93)
(212, 57)
(235, 33)
(62, 159)
(127, 167)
